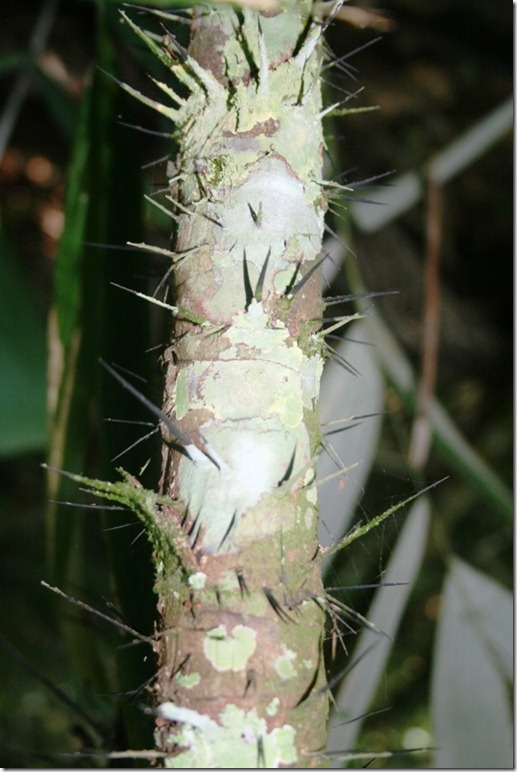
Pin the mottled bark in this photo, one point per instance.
(241, 673)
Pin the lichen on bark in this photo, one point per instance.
(241, 678)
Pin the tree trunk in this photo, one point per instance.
(241, 673)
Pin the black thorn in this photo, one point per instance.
(368, 180)
(308, 691)
(290, 286)
(243, 587)
(192, 530)
(261, 278)
(251, 681)
(275, 605)
(256, 216)
(148, 404)
(247, 284)
(288, 471)
(226, 533)
(218, 598)
(184, 518)
(307, 276)
(135, 694)
(352, 53)
(341, 361)
(181, 665)
(261, 757)
(337, 299)
(191, 603)
(342, 673)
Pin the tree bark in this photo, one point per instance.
(241, 679)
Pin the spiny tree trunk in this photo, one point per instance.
(241, 673)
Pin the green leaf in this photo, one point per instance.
(12, 61)
(91, 319)
(63, 109)
(471, 705)
(23, 360)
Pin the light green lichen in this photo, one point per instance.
(198, 580)
(229, 652)
(188, 681)
(240, 740)
(284, 664)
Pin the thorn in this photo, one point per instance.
(190, 448)
(369, 180)
(332, 14)
(247, 283)
(309, 690)
(352, 421)
(148, 404)
(288, 289)
(338, 299)
(275, 605)
(349, 55)
(264, 65)
(144, 130)
(334, 108)
(197, 528)
(307, 276)
(243, 587)
(181, 665)
(135, 443)
(226, 533)
(348, 667)
(191, 605)
(261, 756)
(98, 507)
(288, 471)
(341, 361)
(95, 612)
(251, 681)
(169, 112)
(256, 216)
(169, 91)
(340, 321)
(261, 278)
(172, 46)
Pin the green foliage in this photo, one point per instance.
(23, 357)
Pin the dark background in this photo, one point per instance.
(439, 68)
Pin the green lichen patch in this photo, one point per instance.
(229, 652)
(240, 740)
(188, 681)
(284, 664)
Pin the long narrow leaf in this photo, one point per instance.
(358, 689)
(351, 416)
(471, 706)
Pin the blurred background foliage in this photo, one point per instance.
(66, 149)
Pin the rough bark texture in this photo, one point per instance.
(240, 655)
